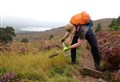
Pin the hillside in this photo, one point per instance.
(59, 32)
(44, 60)
(104, 23)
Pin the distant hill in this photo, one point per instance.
(59, 32)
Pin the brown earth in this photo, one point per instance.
(87, 61)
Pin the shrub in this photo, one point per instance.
(51, 36)
(6, 35)
(25, 40)
(98, 28)
(7, 77)
(115, 24)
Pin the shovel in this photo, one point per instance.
(66, 53)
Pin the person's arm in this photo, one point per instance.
(80, 41)
(66, 35)
(81, 38)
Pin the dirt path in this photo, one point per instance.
(87, 61)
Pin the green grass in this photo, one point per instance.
(38, 67)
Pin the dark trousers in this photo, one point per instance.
(90, 37)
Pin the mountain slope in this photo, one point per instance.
(59, 32)
(104, 23)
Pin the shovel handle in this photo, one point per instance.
(63, 44)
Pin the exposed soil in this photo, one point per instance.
(109, 48)
(87, 61)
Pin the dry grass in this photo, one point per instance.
(30, 63)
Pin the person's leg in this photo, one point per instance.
(73, 51)
(94, 47)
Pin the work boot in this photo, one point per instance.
(97, 66)
(73, 63)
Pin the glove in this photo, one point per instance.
(66, 48)
(62, 40)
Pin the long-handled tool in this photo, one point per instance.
(63, 45)
(54, 54)
(57, 53)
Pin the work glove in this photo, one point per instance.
(62, 40)
(66, 48)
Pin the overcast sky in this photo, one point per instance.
(59, 10)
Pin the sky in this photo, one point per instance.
(59, 10)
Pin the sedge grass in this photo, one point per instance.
(37, 67)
